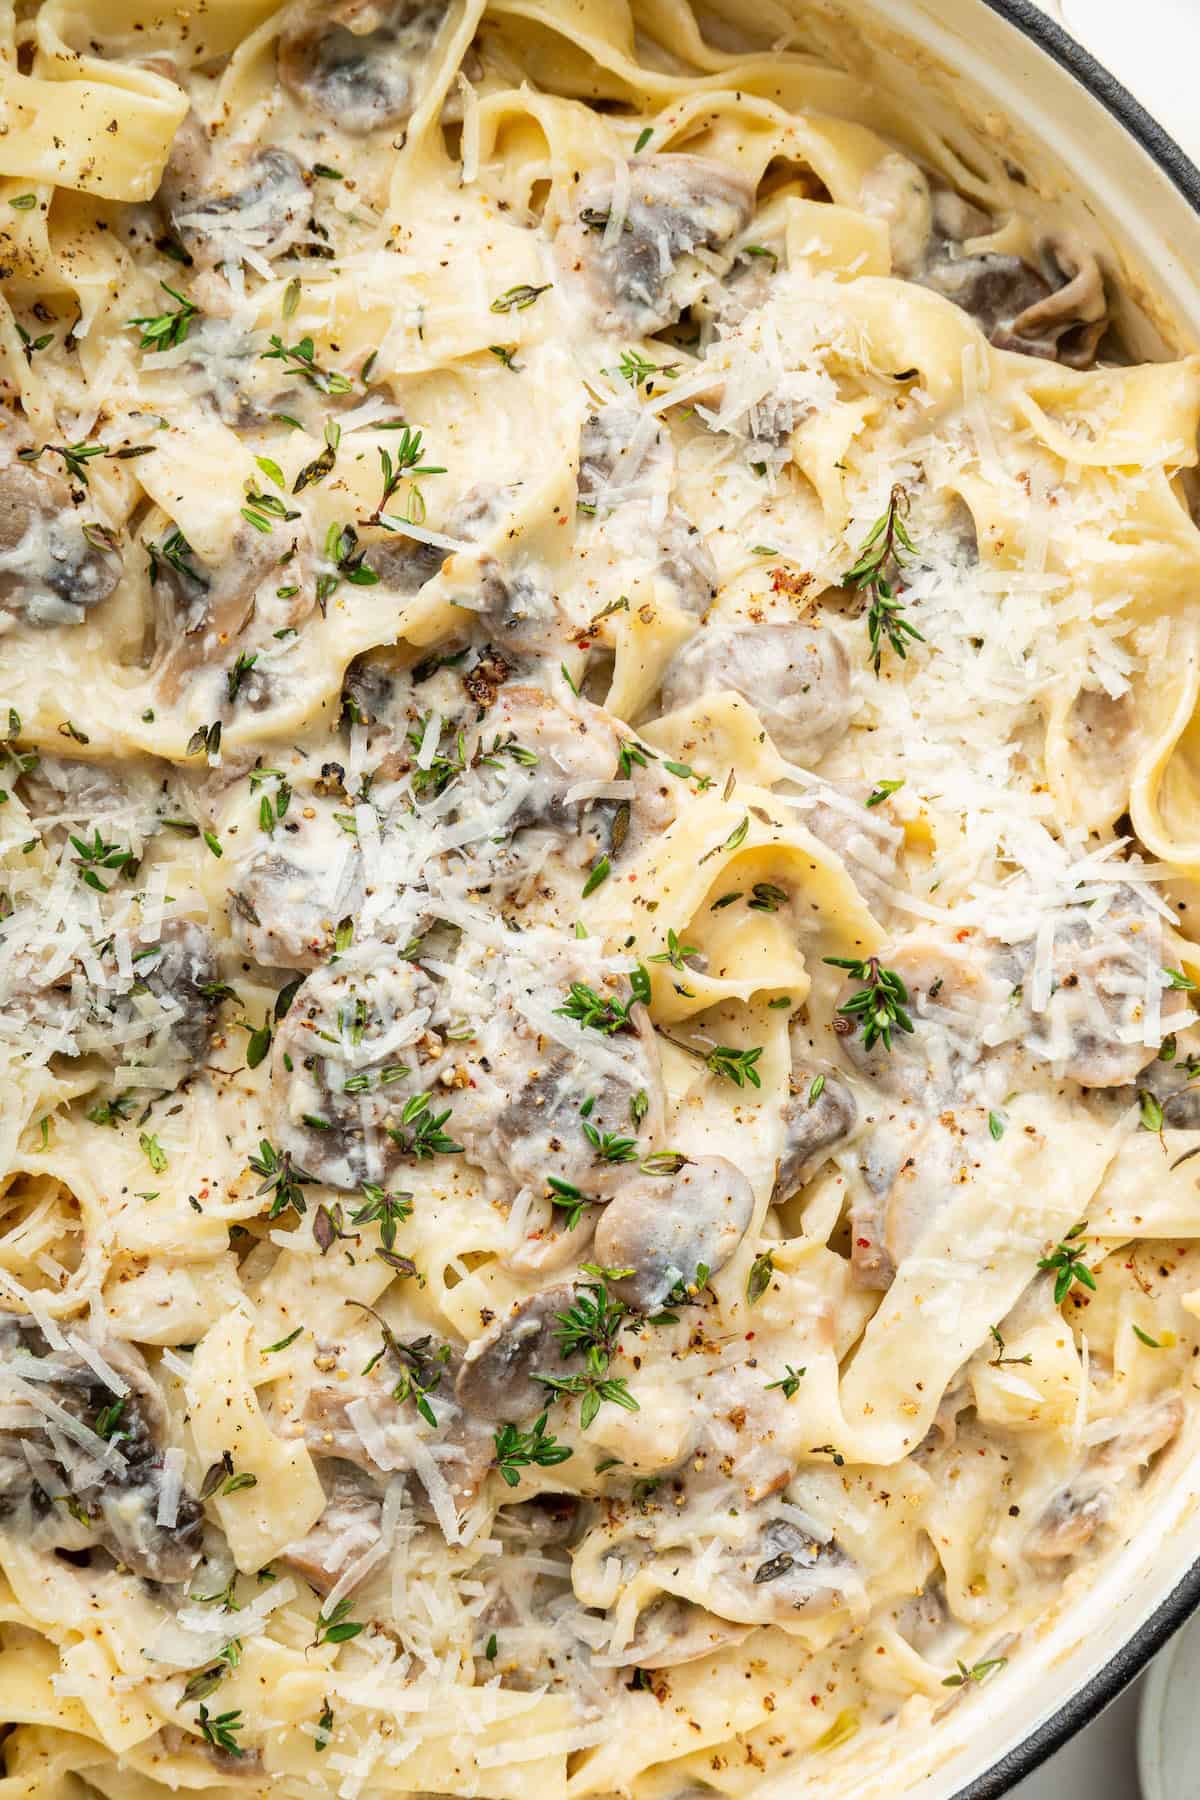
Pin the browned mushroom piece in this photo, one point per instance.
(642, 279)
(1068, 324)
(813, 1125)
(520, 1118)
(529, 752)
(200, 611)
(671, 1631)
(498, 1377)
(624, 481)
(285, 904)
(346, 1059)
(955, 991)
(1079, 1510)
(1057, 310)
(117, 1499)
(219, 209)
(796, 677)
(665, 1228)
(463, 1445)
(1090, 1028)
(53, 567)
(359, 62)
(349, 1526)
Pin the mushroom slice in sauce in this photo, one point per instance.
(664, 1228)
(285, 902)
(677, 205)
(1091, 1026)
(671, 1631)
(116, 1498)
(200, 612)
(1079, 1510)
(498, 1377)
(796, 677)
(359, 62)
(813, 1124)
(52, 570)
(346, 1059)
(349, 1526)
(262, 205)
(520, 1118)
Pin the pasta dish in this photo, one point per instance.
(598, 660)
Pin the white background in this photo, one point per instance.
(1153, 46)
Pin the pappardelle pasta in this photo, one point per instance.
(598, 664)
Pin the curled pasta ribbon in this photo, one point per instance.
(990, 1230)
(260, 1521)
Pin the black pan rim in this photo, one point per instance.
(1184, 1599)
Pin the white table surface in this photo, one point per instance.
(1158, 60)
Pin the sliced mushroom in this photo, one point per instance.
(498, 1377)
(664, 1228)
(359, 62)
(115, 1499)
(626, 470)
(220, 209)
(1057, 311)
(285, 904)
(462, 1446)
(53, 567)
(812, 1126)
(346, 1059)
(520, 1119)
(671, 1632)
(1068, 324)
(201, 611)
(782, 1572)
(347, 1528)
(1078, 1511)
(956, 993)
(1091, 1028)
(867, 843)
(641, 278)
(530, 752)
(796, 677)
(403, 564)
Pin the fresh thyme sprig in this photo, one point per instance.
(639, 371)
(403, 466)
(343, 553)
(592, 1323)
(564, 1196)
(881, 559)
(1066, 1259)
(176, 551)
(610, 1146)
(879, 1005)
(419, 1133)
(300, 359)
(337, 1628)
(593, 1390)
(75, 457)
(218, 1731)
(977, 1672)
(737, 1066)
(281, 1179)
(100, 854)
(166, 330)
(601, 1012)
(389, 1209)
(516, 1450)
